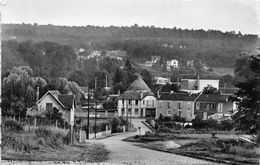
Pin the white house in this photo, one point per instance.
(137, 104)
(53, 99)
(162, 81)
(173, 63)
(137, 101)
(197, 85)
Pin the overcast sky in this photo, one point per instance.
(220, 15)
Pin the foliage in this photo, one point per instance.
(146, 77)
(210, 90)
(19, 90)
(54, 114)
(247, 97)
(13, 126)
(227, 125)
(179, 118)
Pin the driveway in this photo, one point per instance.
(127, 153)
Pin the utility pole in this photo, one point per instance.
(88, 116)
(0, 88)
(96, 107)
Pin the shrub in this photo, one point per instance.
(198, 123)
(227, 125)
(43, 132)
(212, 124)
(12, 126)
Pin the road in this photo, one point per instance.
(122, 152)
(126, 153)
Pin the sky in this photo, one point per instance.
(243, 16)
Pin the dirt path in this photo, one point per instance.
(126, 153)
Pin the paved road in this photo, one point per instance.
(126, 153)
(129, 154)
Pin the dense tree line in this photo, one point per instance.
(213, 47)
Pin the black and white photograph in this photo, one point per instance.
(129, 82)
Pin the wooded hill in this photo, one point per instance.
(212, 47)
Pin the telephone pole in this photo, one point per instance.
(88, 116)
(96, 107)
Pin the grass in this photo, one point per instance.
(224, 148)
(45, 144)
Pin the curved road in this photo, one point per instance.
(125, 153)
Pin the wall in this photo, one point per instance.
(205, 83)
(187, 109)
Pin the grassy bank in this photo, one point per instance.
(225, 148)
(44, 144)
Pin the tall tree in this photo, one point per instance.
(248, 95)
(210, 90)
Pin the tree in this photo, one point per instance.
(247, 97)
(146, 77)
(19, 90)
(210, 90)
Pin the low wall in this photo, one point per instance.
(99, 134)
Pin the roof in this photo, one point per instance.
(229, 90)
(84, 89)
(54, 93)
(179, 96)
(215, 98)
(135, 95)
(138, 85)
(66, 100)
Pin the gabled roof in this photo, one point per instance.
(213, 98)
(179, 97)
(66, 100)
(139, 85)
(134, 95)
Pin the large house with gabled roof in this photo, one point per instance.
(137, 101)
(65, 103)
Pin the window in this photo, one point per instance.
(129, 102)
(136, 102)
(169, 113)
(152, 102)
(129, 110)
(136, 111)
(160, 104)
(205, 117)
(143, 102)
(123, 111)
(179, 105)
(212, 106)
(207, 106)
(49, 106)
(220, 108)
(189, 105)
(169, 104)
(197, 106)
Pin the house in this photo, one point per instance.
(137, 104)
(87, 92)
(213, 106)
(173, 63)
(138, 85)
(162, 81)
(181, 104)
(137, 101)
(197, 85)
(154, 60)
(65, 103)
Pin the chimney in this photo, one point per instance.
(198, 83)
(142, 94)
(118, 92)
(37, 93)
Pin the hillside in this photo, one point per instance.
(212, 47)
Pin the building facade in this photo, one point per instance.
(213, 106)
(137, 104)
(180, 104)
